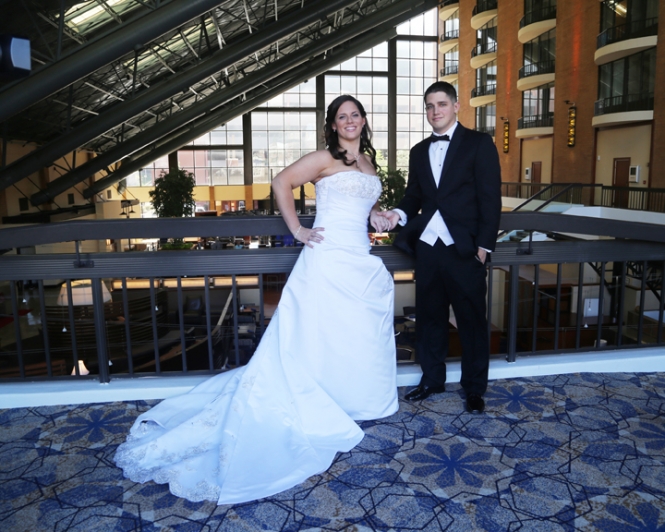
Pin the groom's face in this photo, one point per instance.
(441, 111)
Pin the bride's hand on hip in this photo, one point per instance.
(309, 236)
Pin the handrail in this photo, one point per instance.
(537, 15)
(81, 230)
(449, 70)
(485, 90)
(535, 69)
(631, 30)
(483, 5)
(448, 35)
(643, 101)
(526, 122)
(485, 48)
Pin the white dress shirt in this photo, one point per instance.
(436, 228)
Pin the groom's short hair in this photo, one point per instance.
(442, 86)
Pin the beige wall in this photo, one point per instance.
(633, 142)
(537, 149)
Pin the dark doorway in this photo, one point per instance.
(620, 179)
(536, 169)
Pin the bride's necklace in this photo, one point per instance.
(356, 158)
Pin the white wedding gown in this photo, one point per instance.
(327, 358)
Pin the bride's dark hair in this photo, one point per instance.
(332, 143)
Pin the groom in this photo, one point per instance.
(450, 213)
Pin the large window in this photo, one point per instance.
(416, 70)
(486, 38)
(485, 80)
(539, 54)
(451, 27)
(285, 128)
(217, 157)
(280, 138)
(627, 84)
(486, 119)
(451, 62)
(538, 107)
(614, 14)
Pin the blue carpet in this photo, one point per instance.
(570, 452)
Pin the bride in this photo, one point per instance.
(326, 359)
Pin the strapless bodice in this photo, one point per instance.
(343, 204)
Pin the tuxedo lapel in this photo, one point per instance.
(427, 166)
(452, 149)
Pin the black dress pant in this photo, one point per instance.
(444, 278)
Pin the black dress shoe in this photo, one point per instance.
(421, 392)
(474, 404)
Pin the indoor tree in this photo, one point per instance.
(173, 197)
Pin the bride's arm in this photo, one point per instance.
(305, 170)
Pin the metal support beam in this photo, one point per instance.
(156, 94)
(295, 77)
(98, 53)
(385, 18)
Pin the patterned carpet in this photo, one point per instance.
(569, 452)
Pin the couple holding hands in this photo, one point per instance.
(327, 359)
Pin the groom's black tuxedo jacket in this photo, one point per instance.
(468, 196)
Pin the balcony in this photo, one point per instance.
(450, 72)
(490, 130)
(536, 74)
(535, 125)
(626, 39)
(536, 23)
(448, 41)
(190, 313)
(623, 109)
(483, 95)
(447, 8)
(483, 54)
(483, 12)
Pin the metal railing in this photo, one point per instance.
(632, 30)
(534, 69)
(448, 35)
(631, 198)
(537, 15)
(485, 90)
(624, 104)
(526, 122)
(190, 314)
(450, 69)
(485, 48)
(483, 5)
(490, 130)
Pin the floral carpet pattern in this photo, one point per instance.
(568, 452)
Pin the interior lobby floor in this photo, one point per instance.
(583, 451)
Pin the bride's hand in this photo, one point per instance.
(379, 221)
(309, 236)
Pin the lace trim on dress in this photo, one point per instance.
(351, 183)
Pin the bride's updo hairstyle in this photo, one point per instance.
(332, 142)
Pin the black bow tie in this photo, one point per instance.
(436, 138)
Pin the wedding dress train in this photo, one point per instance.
(326, 359)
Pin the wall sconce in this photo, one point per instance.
(572, 122)
(506, 136)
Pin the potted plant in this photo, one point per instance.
(173, 197)
(394, 186)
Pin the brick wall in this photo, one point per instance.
(508, 98)
(577, 26)
(657, 166)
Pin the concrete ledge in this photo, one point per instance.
(31, 394)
